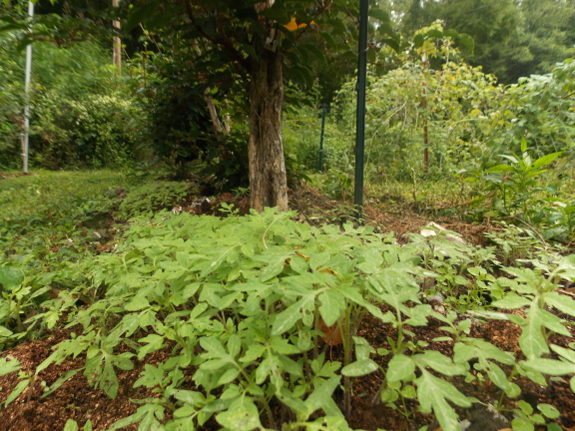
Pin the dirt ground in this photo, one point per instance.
(77, 400)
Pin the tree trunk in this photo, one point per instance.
(216, 123)
(268, 182)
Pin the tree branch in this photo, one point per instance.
(225, 43)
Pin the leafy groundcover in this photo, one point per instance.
(253, 307)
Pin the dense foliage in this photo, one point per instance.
(245, 301)
(82, 116)
(512, 39)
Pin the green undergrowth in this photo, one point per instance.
(50, 219)
(55, 198)
(239, 303)
(41, 230)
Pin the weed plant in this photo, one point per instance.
(240, 303)
(152, 197)
(40, 232)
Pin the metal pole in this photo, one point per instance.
(26, 91)
(320, 163)
(361, 96)
(117, 50)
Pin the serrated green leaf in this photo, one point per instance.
(243, 416)
(520, 424)
(229, 376)
(332, 304)
(481, 349)
(549, 411)
(566, 353)
(11, 277)
(400, 367)
(439, 362)
(155, 343)
(550, 366)
(254, 352)
(389, 395)
(5, 332)
(8, 365)
(322, 395)
(497, 376)
(283, 346)
(359, 368)
(362, 348)
(192, 398)
(213, 346)
(137, 303)
(108, 381)
(23, 384)
(264, 369)
(563, 303)
(442, 388)
(214, 364)
(408, 391)
(532, 341)
(432, 394)
(287, 319)
(275, 264)
(511, 301)
(513, 390)
(71, 425)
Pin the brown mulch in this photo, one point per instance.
(78, 400)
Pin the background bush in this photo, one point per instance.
(11, 103)
(82, 116)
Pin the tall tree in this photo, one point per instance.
(245, 46)
(248, 45)
(547, 33)
(512, 38)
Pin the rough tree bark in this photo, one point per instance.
(268, 180)
(216, 123)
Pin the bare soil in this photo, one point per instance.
(76, 399)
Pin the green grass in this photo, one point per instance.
(57, 195)
(41, 215)
(41, 234)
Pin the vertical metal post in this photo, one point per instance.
(361, 96)
(320, 162)
(117, 50)
(25, 139)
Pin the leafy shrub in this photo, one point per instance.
(152, 197)
(81, 116)
(543, 109)
(455, 98)
(241, 301)
(11, 103)
(94, 131)
(40, 232)
(512, 185)
(180, 127)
